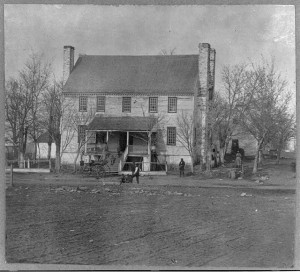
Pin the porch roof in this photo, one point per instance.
(124, 123)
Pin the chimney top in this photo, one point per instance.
(69, 46)
(204, 45)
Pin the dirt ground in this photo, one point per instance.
(163, 221)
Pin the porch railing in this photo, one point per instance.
(138, 149)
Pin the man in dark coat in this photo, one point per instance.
(136, 172)
(181, 167)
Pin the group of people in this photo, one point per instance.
(215, 161)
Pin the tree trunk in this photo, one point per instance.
(278, 156)
(222, 155)
(223, 148)
(49, 150)
(76, 158)
(192, 164)
(257, 155)
(260, 158)
(35, 149)
(22, 148)
(57, 152)
(208, 161)
(255, 163)
(57, 160)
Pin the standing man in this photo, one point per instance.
(181, 167)
(136, 173)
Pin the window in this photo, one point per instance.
(153, 104)
(126, 105)
(81, 133)
(171, 136)
(172, 104)
(100, 103)
(82, 103)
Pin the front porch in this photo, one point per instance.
(129, 140)
(123, 150)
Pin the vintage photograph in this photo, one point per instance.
(150, 136)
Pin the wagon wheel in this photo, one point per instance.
(100, 171)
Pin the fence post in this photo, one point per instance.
(28, 163)
(11, 175)
(50, 164)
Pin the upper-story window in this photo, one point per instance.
(153, 104)
(82, 103)
(171, 135)
(100, 103)
(126, 104)
(172, 104)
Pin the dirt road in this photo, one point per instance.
(186, 226)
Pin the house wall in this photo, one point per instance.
(139, 107)
(42, 151)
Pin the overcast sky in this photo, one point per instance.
(238, 33)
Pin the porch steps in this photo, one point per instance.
(113, 166)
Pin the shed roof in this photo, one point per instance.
(124, 123)
(163, 74)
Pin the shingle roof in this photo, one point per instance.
(124, 123)
(134, 74)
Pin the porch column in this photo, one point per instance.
(147, 160)
(127, 139)
(149, 146)
(106, 136)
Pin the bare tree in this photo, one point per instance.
(185, 132)
(285, 130)
(166, 52)
(266, 102)
(23, 103)
(53, 100)
(75, 123)
(35, 78)
(228, 105)
(18, 105)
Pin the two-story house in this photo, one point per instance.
(136, 101)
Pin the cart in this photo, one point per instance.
(97, 169)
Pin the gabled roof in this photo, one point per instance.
(125, 123)
(165, 74)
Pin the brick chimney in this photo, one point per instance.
(204, 68)
(201, 109)
(68, 61)
(212, 73)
